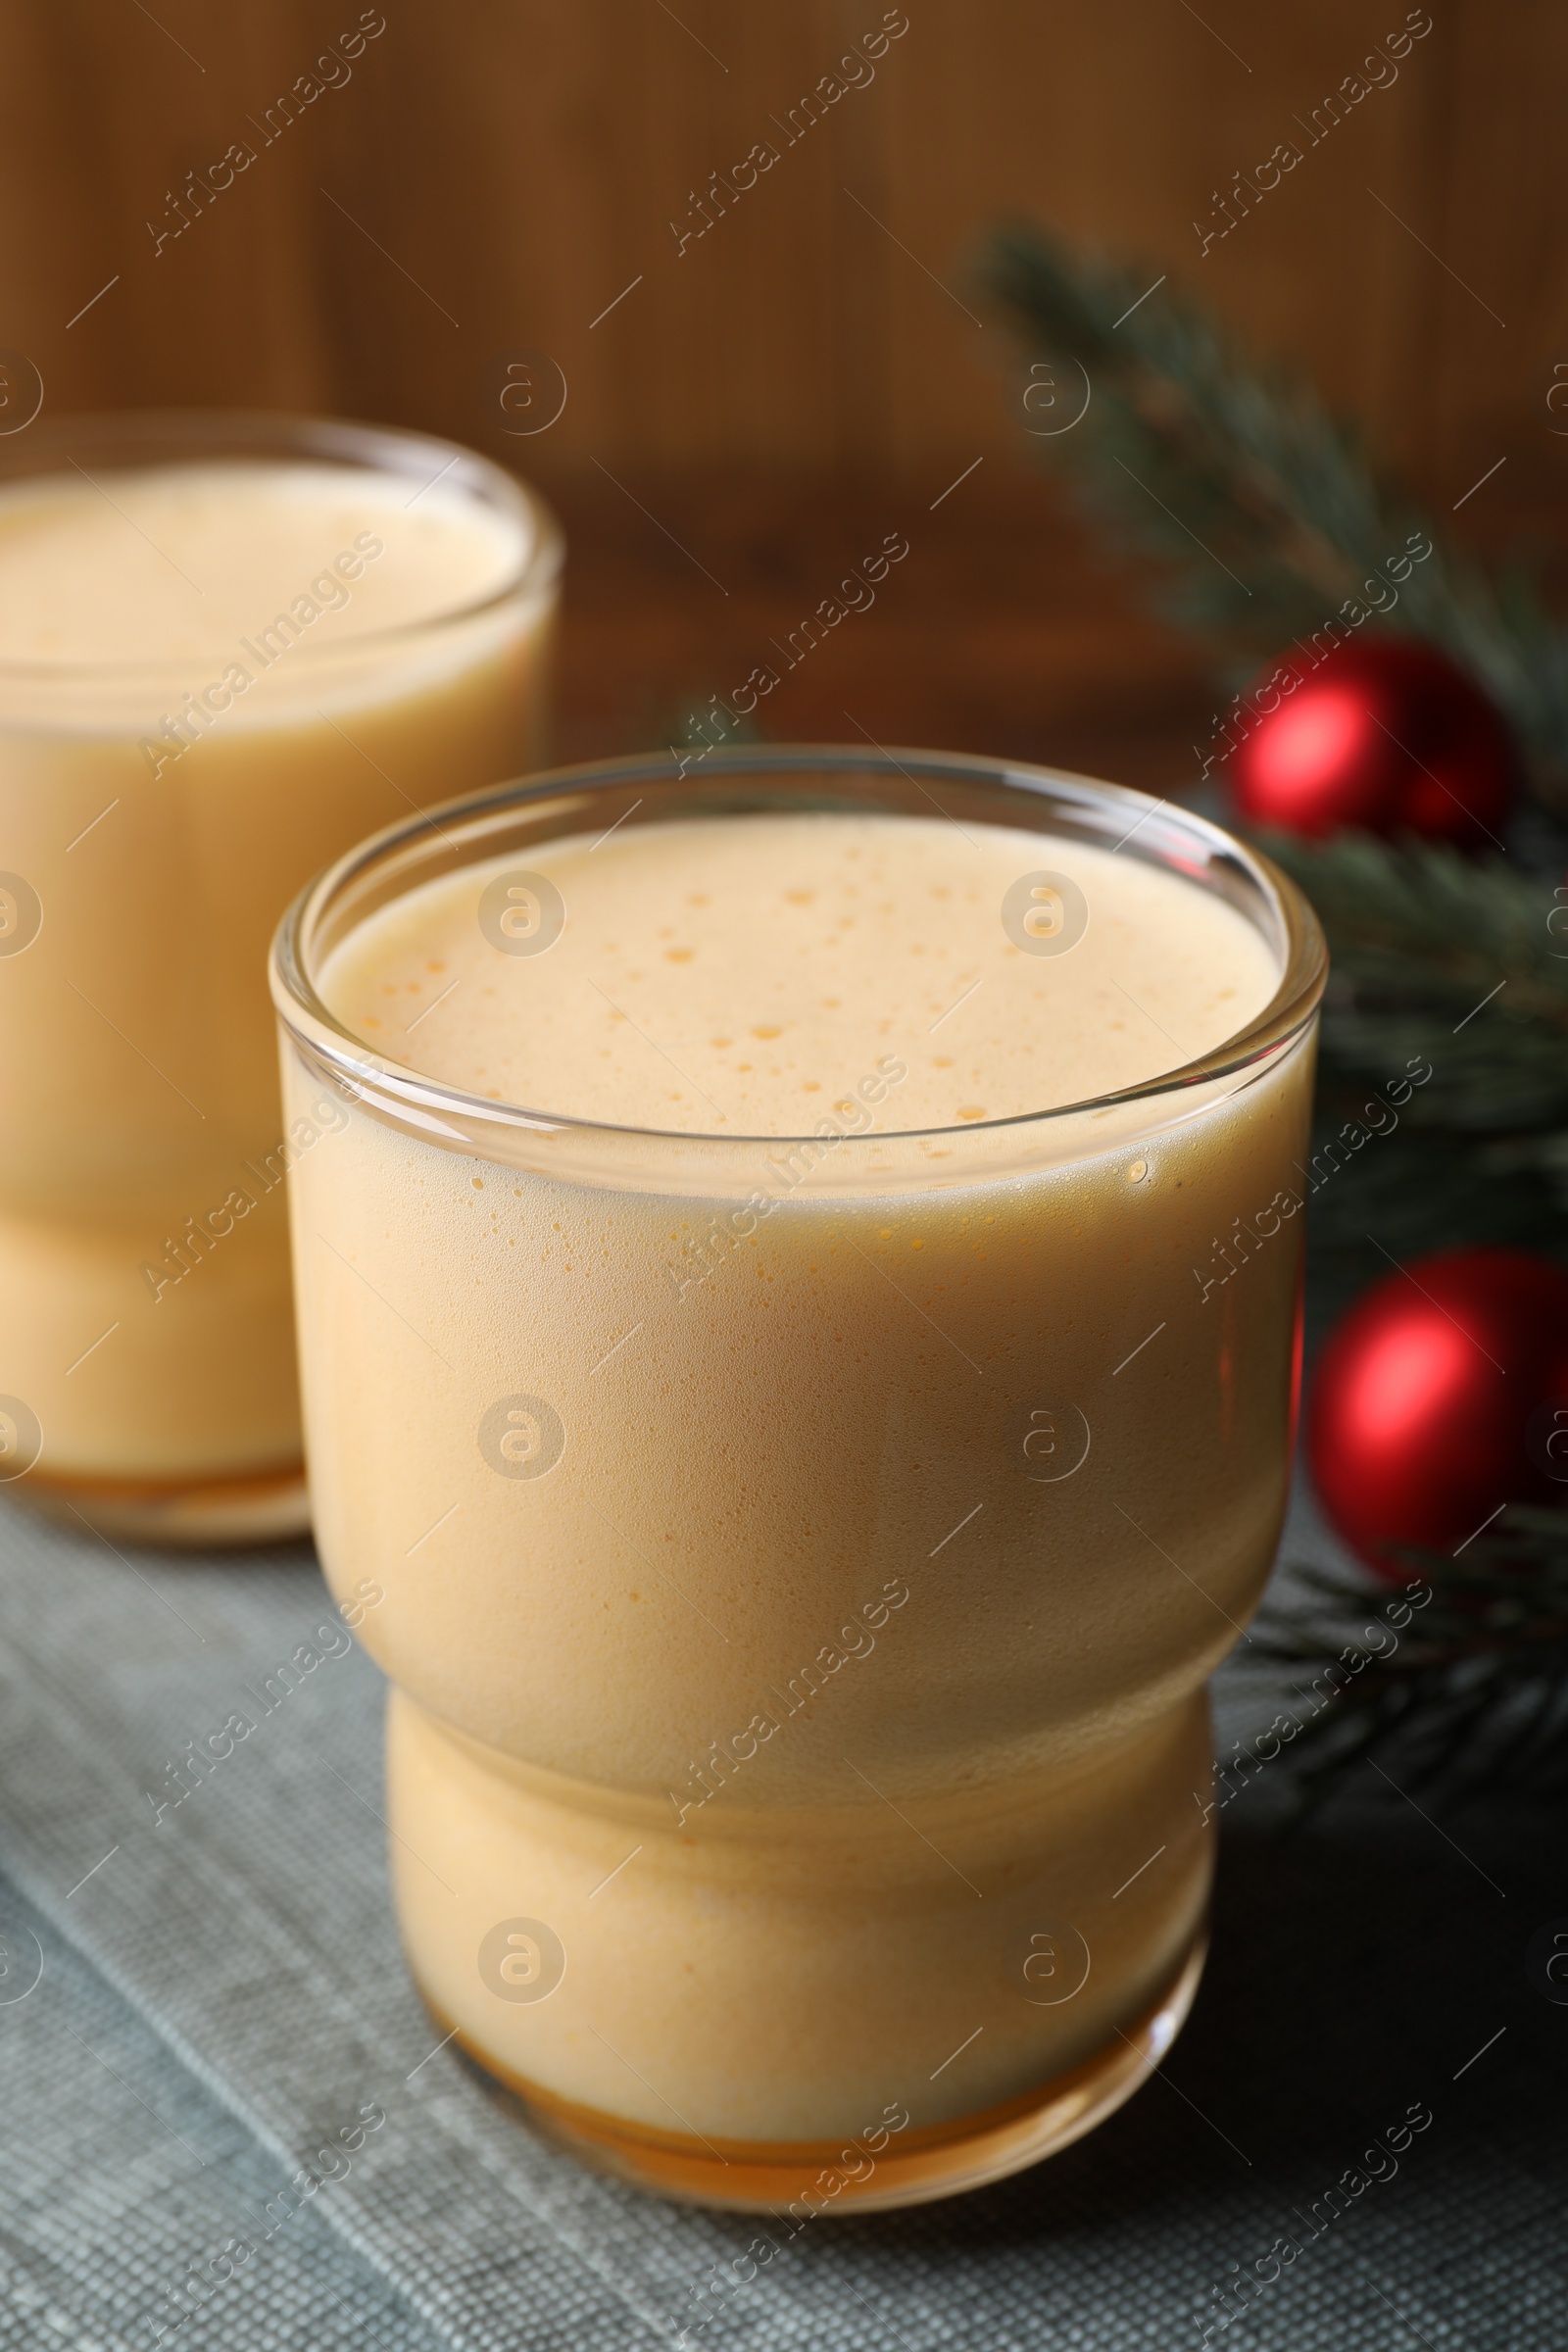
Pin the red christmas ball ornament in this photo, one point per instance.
(1441, 1395)
(1386, 735)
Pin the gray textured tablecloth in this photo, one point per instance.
(220, 1993)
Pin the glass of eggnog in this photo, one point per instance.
(229, 647)
(798, 1302)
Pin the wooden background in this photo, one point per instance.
(492, 173)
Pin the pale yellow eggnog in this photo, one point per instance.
(767, 1360)
(223, 657)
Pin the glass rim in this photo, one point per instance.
(197, 435)
(473, 819)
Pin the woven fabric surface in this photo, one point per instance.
(193, 2002)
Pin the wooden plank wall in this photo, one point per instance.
(488, 174)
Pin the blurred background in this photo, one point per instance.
(751, 409)
(448, 215)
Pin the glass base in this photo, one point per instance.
(915, 2167)
(264, 1506)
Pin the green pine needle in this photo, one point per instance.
(1471, 1700)
(1262, 509)
(1461, 962)
(1263, 519)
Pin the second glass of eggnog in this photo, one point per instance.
(798, 1330)
(229, 647)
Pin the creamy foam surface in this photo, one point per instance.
(741, 977)
(176, 564)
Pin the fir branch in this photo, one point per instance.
(1261, 508)
(1445, 957)
(1410, 1192)
(1468, 1698)
(1478, 1152)
(1266, 518)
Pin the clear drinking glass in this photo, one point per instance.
(902, 1943)
(156, 818)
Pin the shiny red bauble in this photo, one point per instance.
(1387, 735)
(1441, 1395)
